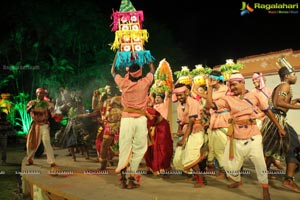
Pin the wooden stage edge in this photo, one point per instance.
(80, 180)
(40, 183)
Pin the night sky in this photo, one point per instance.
(212, 31)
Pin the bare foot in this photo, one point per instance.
(221, 175)
(235, 184)
(198, 185)
(54, 171)
(266, 194)
(291, 185)
(278, 165)
(131, 185)
(191, 179)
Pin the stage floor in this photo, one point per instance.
(80, 180)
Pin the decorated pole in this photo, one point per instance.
(130, 37)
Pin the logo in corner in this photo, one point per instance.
(246, 9)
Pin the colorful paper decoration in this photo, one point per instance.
(130, 38)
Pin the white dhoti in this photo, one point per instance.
(132, 143)
(243, 149)
(216, 144)
(42, 134)
(191, 154)
(177, 158)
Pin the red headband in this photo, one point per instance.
(180, 89)
(236, 77)
(176, 91)
(137, 73)
(260, 78)
(41, 90)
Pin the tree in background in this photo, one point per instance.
(65, 43)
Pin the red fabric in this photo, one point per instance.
(47, 98)
(197, 97)
(138, 179)
(158, 156)
(58, 117)
(98, 140)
